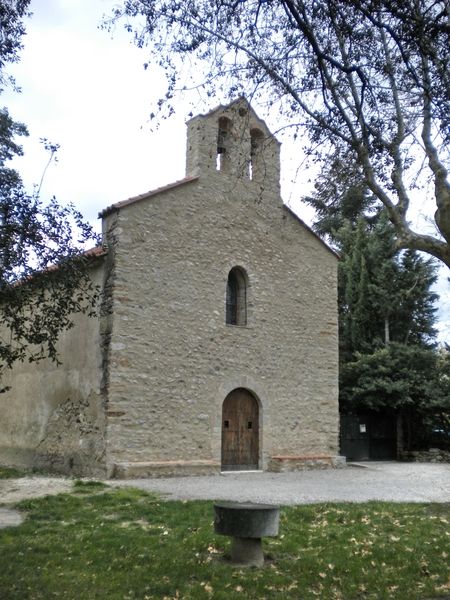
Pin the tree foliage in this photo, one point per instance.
(408, 380)
(396, 376)
(44, 270)
(367, 80)
(12, 28)
(388, 357)
(384, 295)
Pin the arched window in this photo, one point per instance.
(236, 302)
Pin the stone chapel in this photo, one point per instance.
(216, 342)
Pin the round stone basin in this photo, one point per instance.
(246, 520)
(246, 523)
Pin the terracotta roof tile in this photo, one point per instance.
(96, 251)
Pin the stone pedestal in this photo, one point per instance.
(247, 551)
(246, 523)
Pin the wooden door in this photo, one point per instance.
(240, 431)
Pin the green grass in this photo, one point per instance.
(86, 487)
(10, 473)
(125, 544)
(13, 473)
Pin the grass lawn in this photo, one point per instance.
(124, 543)
(8, 473)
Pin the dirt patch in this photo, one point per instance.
(10, 517)
(15, 490)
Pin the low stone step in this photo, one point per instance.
(282, 463)
(167, 468)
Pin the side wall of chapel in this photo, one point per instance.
(52, 417)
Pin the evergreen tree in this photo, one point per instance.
(384, 295)
(387, 313)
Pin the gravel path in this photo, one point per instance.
(15, 490)
(399, 482)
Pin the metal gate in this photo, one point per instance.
(368, 436)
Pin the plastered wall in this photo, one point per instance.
(53, 416)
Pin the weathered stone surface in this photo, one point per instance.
(184, 468)
(434, 455)
(247, 552)
(285, 464)
(173, 360)
(246, 523)
(246, 520)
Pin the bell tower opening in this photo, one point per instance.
(233, 141)
(223, 144)
(255, 167)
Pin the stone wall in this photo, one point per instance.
(172, 358)
(287, 464)
(53, 416)
(434, 455)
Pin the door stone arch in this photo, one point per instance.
(240, 431)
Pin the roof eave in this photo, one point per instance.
(295, 215)
(134, 199)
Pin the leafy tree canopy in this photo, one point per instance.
(395, 376)
(12, 29)
(367, 80)
(405, 379)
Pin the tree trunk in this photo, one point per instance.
(386, 331)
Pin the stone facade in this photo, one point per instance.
(165, 358)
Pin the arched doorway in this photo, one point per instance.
(240, 431)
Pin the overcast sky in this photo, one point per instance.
(87, 90)
(90, 94)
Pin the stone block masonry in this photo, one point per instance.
(173, 359)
